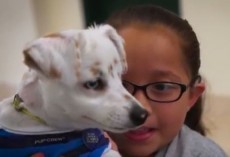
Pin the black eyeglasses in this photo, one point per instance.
(163, 92)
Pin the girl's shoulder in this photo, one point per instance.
(198, 145)
(189, 143)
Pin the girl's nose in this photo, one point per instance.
(145, 102)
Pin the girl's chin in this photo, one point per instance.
(137, 149)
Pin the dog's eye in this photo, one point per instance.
(95, 85)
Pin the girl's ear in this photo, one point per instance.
(196, 91)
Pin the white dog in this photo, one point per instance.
(73, 83)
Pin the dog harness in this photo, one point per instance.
(87, 143)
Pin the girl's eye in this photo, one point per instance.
(94, 85)
(163, 86)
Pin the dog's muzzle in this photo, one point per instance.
(138, 115)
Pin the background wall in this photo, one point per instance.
(23, 20)
(56, 15)
(211, 21)
(17, 27)
(98, 11)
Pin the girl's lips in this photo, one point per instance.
(140, 134)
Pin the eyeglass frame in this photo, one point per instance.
(183, 88)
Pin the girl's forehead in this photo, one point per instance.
(157, 31)
(155, 51)
(148, 27)
(154, 41)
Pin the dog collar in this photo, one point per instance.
(16, 104)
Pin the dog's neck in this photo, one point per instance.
(17, 104)
(31, 116)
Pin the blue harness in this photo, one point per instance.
(87, 143)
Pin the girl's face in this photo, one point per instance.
(154, 54)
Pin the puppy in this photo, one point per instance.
(73, 83)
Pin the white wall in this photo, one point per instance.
(57, 15)
(17, 27)
(24, 20)
(211, 21)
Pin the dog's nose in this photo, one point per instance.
(138, 115)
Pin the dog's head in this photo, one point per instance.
(80, 77)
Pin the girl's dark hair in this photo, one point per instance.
(153, 15)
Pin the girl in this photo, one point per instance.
(163, 58)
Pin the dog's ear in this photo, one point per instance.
(118, 41)
(40, 56)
